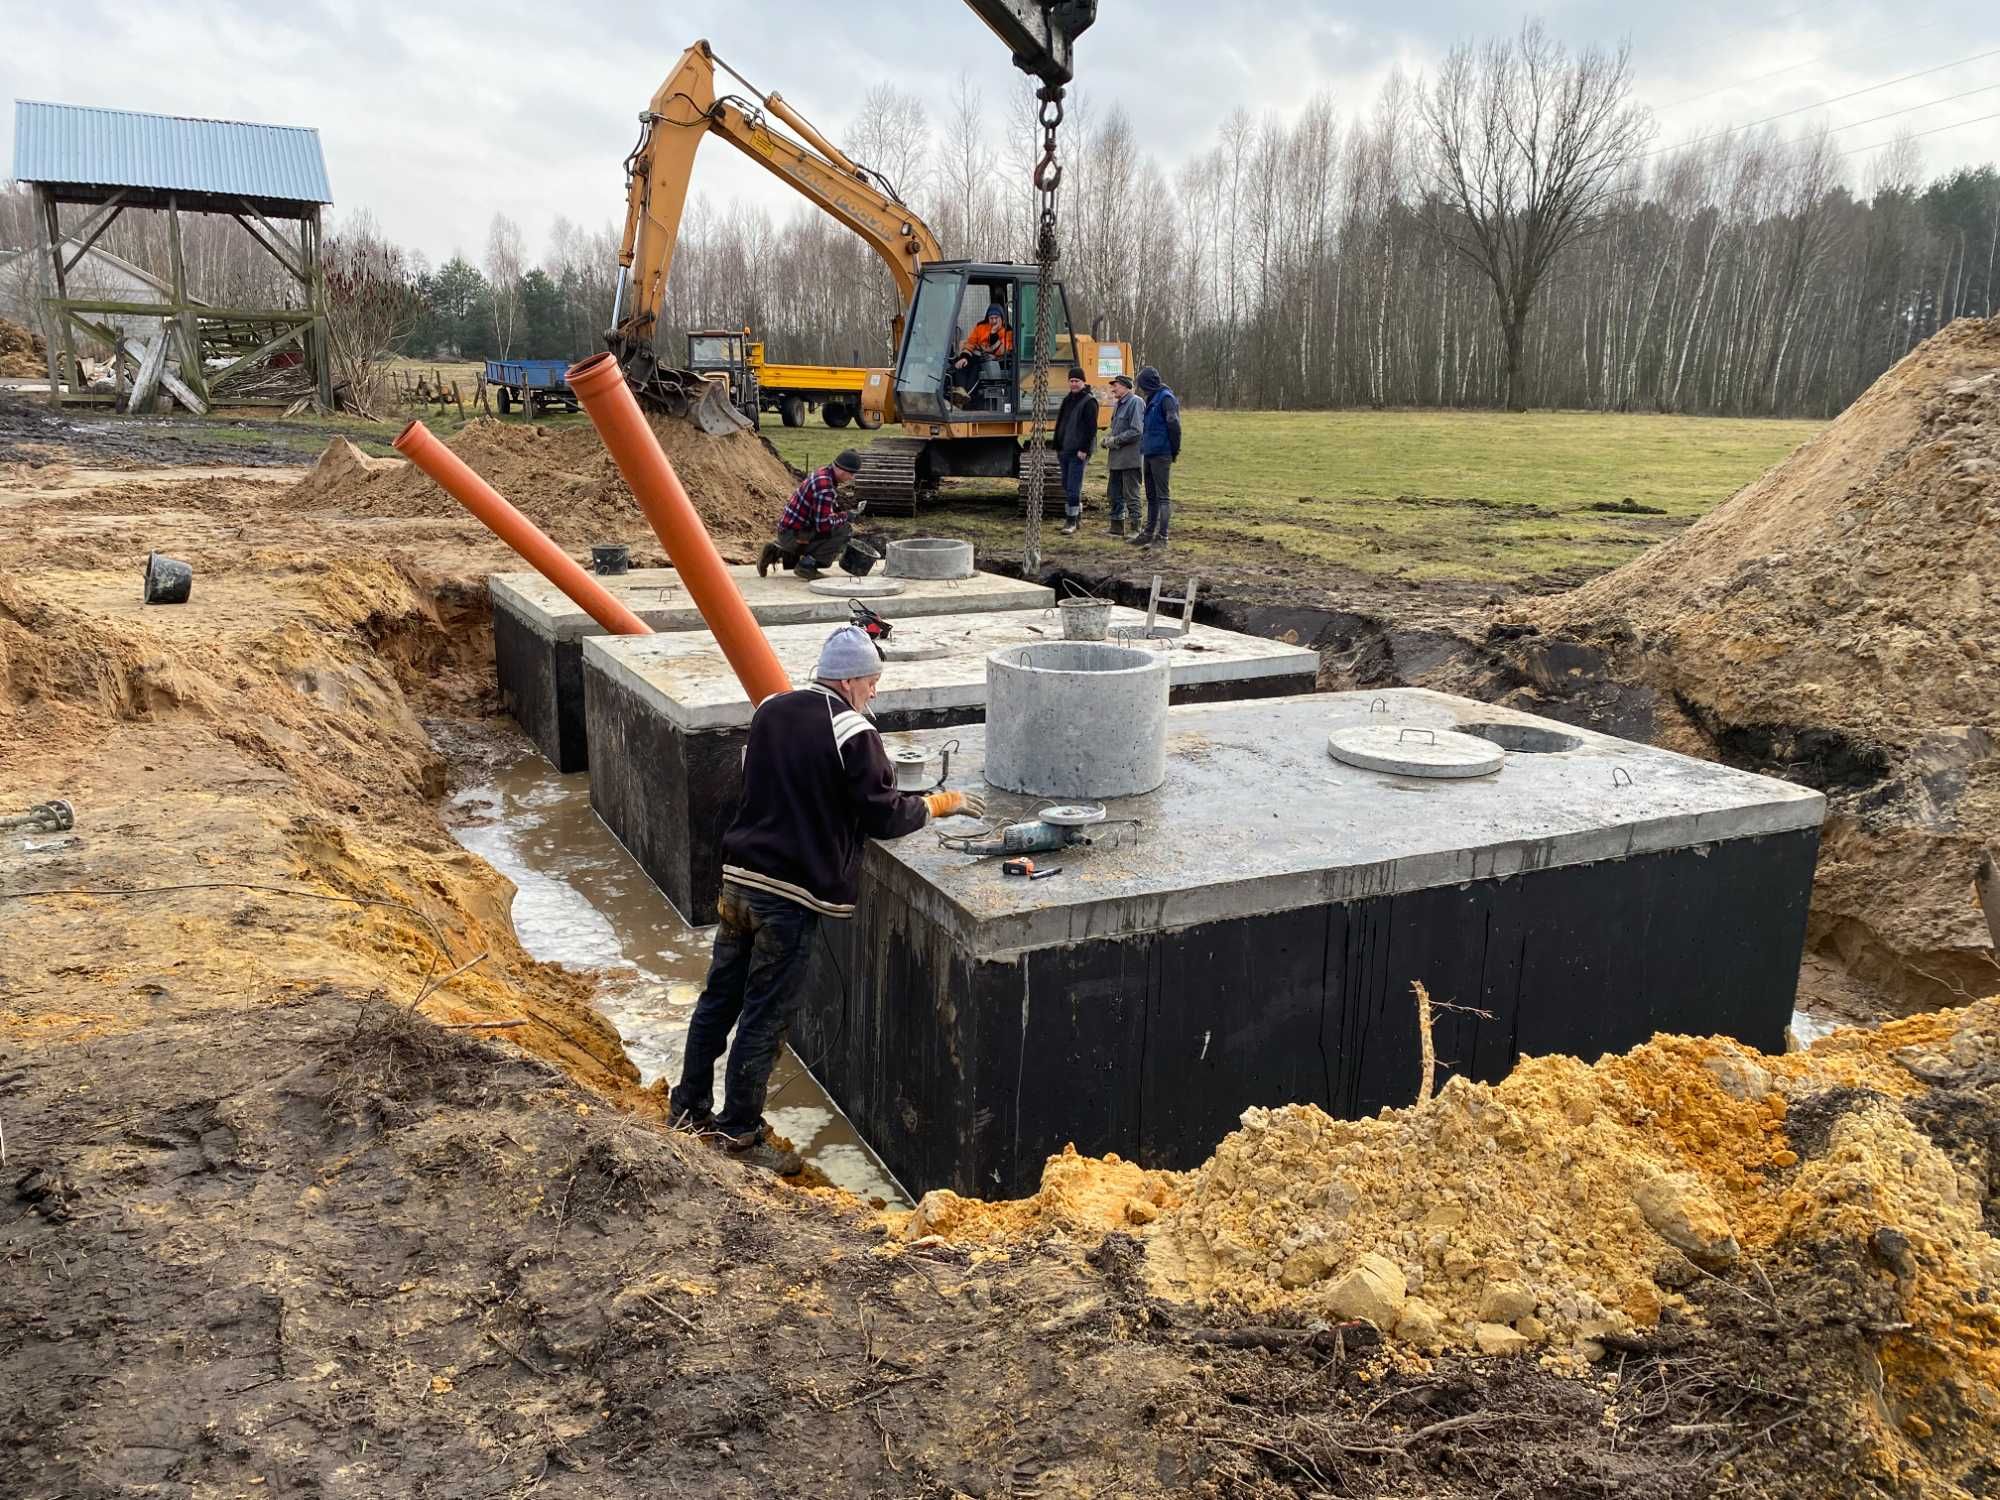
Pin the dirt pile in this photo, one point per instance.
(562, 479)
(22, 353)
(1837, 623)
(1571, 1211)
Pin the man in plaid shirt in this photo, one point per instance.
(814, 530)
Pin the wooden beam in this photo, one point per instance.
(185, 327)
(319, 349)
(175, 386)
(58, 331)
(152, 364)
(270, 346)
(206, 314)
(91, 229)
(275, 245)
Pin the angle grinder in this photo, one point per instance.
(1050, 829)
(871, 624)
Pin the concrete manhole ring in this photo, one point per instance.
(1414, 750)
(856, 588)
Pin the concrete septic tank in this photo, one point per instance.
(668, 721)
(930, 557)
(1255, 943)
(1077, 719)
(537, 631)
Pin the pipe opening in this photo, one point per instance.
(1524, 739)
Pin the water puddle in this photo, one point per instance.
(581, 900)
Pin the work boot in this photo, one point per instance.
(1117, 527)
(694, 1119)
(767, 558)
(1069, 527)
(805, 568)
(755, 1149)
(1142, 539)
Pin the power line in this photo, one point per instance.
(1917, 135)
(1877, 119)
(1784, 114)
(1744, 83)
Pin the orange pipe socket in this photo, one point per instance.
(599, 384)
(420, 446)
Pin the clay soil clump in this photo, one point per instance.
(562, 479)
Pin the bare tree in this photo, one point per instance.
(371, 303)
(890, 137)
(505, 260)
(1528, 148)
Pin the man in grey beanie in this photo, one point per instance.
(816, 782)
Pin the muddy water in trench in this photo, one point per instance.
(581, 900)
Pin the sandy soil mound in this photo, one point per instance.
(22, 353)
(1580, 1211)
(1836, 623)
(564, 481)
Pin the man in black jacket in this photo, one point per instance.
(816, 782)
(1076, 438)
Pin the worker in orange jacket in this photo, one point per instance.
(991, 338)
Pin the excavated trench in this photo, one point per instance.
(580, 900)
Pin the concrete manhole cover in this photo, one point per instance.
(1407, 750)
(912, 653)
(856, 588)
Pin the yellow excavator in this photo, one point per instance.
(959, 414)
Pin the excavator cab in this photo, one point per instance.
(992, 384)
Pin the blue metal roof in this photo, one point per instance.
(120, 148)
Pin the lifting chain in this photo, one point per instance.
(1048, 177)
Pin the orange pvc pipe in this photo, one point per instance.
(420, 446)
(599, 384)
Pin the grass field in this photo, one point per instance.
(1418, 495)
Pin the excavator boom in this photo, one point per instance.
(684, 111)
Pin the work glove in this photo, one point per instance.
(949, 804)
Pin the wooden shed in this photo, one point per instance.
(99, 163)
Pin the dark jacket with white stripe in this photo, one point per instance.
(816, 782)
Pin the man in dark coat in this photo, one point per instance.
(1160, 448)
(1076, 440)
(816, 783)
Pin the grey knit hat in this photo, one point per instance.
(848, 653)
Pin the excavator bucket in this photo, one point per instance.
(715, 413)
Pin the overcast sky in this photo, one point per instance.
(434, 117)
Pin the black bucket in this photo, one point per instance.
(859, 559)
(610, 560)
(168, 579)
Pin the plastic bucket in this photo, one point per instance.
(859, 559)
(1085, 619)
(610, 560)
(168, 579)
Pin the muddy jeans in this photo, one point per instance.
(1124, 494)
(753, 985)
(1159, 503)
(823, 547)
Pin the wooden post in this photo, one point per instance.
(312, 251)
(184, 326)
(57, 331)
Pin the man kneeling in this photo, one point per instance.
(815, 528)
(816, 782)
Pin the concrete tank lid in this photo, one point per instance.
(856, 588)
(1414, 750)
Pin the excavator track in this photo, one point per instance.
(1052, 489)
(892, 480)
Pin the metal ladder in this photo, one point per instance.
(1186, 601)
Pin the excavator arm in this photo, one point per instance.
(683, 112)
(1040, 36)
